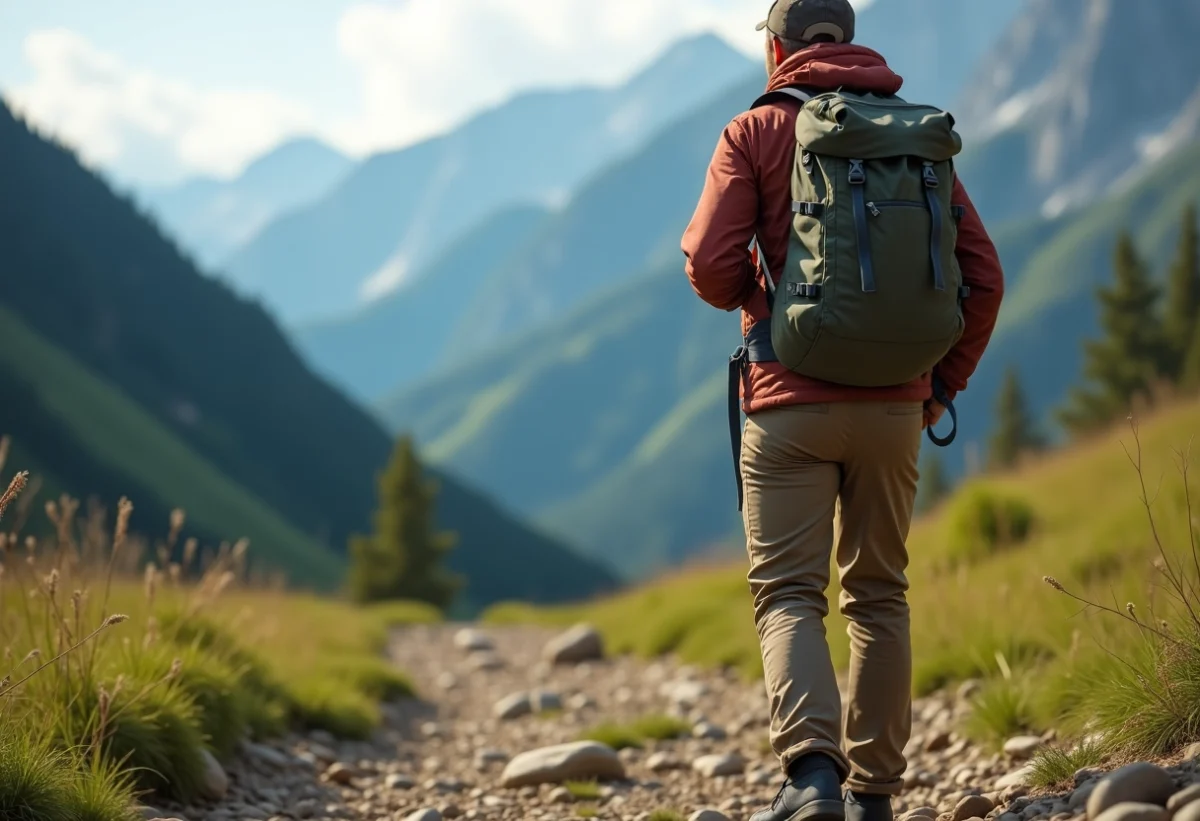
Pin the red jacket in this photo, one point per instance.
(749, 191)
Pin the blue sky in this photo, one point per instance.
(154, 90)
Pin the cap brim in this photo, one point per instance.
(761, 25)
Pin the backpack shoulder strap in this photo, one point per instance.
(773, 96)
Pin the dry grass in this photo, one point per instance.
(124, 662)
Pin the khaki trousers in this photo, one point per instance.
(801, 465)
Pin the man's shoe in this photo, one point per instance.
(813, 792)
(865, 807)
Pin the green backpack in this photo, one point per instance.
(871, 292)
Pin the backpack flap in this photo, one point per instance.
(871, 127)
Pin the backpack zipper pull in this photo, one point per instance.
(874, 209)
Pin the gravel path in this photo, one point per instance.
(492, 697)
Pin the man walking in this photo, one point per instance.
(871, 288)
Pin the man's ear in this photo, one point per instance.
(780, 54)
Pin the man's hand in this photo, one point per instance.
(934, 411)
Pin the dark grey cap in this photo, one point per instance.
(803, 20)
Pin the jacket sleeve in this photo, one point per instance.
(982, 273)
(717, 241)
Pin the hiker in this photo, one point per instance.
(869, 288)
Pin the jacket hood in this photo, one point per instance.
(827, 66)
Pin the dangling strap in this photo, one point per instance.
(935, 235)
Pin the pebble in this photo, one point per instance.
(398, 781)
(581, 643)
(343, 774)
(1188, 812)
(1132, 811)
(513, 706)
(719, 764)
(1023, 747)
(709, 731)
(663, 761)
(1184, 797)
(1017, 778)
(971, 806)
(428, 814)
(473, 641)
(708, 815)
(215, 784)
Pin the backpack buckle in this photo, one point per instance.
(858, 174)
(931, 177)
(805, 290)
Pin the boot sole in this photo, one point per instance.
(825, 810)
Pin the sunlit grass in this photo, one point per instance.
(111, 685)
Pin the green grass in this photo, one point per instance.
(635, 734)
(40, 783)
(1002, 710)
(1091, 529)
(586, 811)
(583, 790)
(133, 702)
(1055, 768)
(666, 815)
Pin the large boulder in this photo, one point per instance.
(1141, 783)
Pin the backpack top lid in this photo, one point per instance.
(871, 126)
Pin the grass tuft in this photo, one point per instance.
(1055, 768)
(583, 790)
(616, 736)
(661, 727)
(1002, 710)
(982, 520)
(635, 734)
(666, 815)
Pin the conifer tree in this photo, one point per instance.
(403, 558)
(1016, 430)
(1183, 302)
(1122, 366)
(934, 485)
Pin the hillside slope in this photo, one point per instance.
(101, 287)
(399, 209)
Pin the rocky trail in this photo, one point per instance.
(497, 736)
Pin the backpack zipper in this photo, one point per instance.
(874, 207)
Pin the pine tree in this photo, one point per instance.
(403, 558)
(934, 485)
(1122, 367)
(1016, 431)
(1183, 302)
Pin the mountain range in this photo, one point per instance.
(212, 217)
(398, 210)
(127, 372)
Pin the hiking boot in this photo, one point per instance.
(865, 807)
(813, 792)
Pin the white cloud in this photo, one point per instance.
(426, 64)
(143, 126)
(423, 65)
